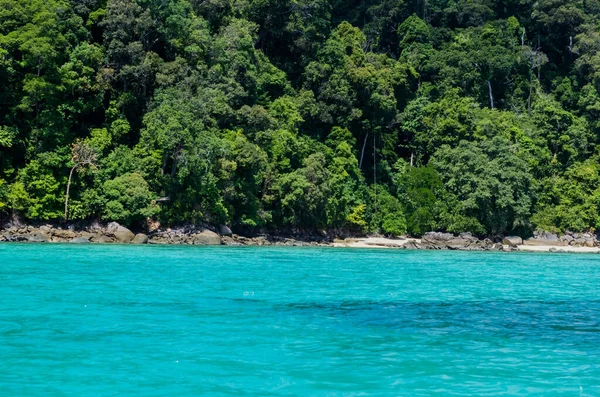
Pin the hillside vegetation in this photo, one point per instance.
(391, 116)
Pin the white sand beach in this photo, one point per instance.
(552, 248)
(373, 242)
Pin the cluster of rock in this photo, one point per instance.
(111, 233)
(189, 235)
(115, 233)
(448, 241)
(268, 240)
(567, 239)
(467, 242)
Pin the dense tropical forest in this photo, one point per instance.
(389, 116)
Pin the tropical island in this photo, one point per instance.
(301, 117)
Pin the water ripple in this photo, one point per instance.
(155, 321)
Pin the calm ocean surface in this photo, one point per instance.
(185, 321)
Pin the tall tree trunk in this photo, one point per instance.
(530, 88)
(174, 167)
(176, 154)
(164, 164)
(67, 194)
(539, 47)
(375, 172)
(362, 153)
(491, 95)
(570, 48)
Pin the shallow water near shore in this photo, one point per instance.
(187, 321)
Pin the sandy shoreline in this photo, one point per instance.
(550, 248)
(373, 242)
(381, 242)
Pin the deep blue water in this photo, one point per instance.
(188, 321)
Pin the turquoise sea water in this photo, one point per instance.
(184, 321)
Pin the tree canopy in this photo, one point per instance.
(379, 116)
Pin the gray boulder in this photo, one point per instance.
(543, 239)
(121, 233)
(567, 238)
(206, 238)
(224, 230)
(80, 240)
(37, 238)
(103, 239)
(448, 241)
(13, 236)
(549, 236)
(46, 230)
(436, 240)
(497, 247)
(260, 240)
(230, 241)
(411, 245)
(140, 239)
(61, 235)
(513, 241)
(535, 241)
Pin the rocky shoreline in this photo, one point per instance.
(222, 235)
(115, 233)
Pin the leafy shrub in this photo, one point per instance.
(128, 199)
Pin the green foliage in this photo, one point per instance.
(17, 197)
(385, 214)
(3, 193)
(38, 192)
(423, 194)
(571, 202)
(490, 182)
(413, 30)
(303, 193)
(383, 116)
(356, 218)
(128, 199)
(7, 136)
(480, 61)
(247, 164)
(565, 134)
